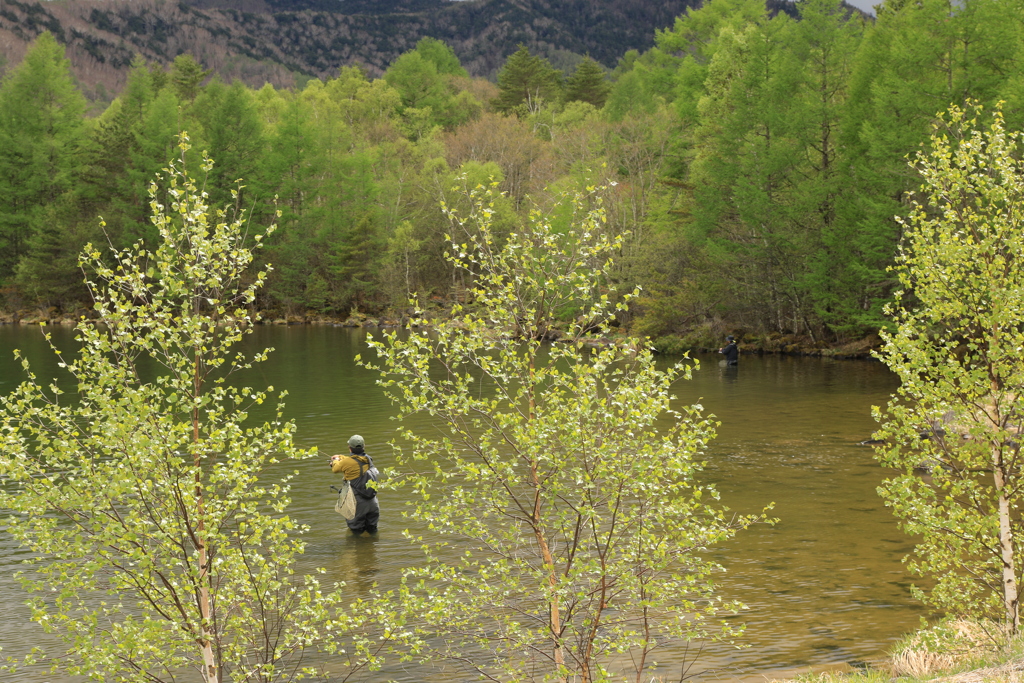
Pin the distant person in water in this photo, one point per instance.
(362, 477)
(731, 351)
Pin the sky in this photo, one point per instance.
(865, 5)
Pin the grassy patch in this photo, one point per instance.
(953, 651)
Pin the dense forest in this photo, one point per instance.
(756, 159)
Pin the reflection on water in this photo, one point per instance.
(823, 586)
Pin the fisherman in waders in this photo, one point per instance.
(731, 351)
(362, 477)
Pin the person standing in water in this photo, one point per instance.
(362, 477)
(731, 351)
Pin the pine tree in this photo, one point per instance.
(915, 60)
(746, 162)
(696, 35)
(115, 135)
(418, 82)
(186, 76)
(825, 42)
(526, 81)
(155, 140)
(296, 175)
(356, 261)
(134, 140)
(587, 84)
(441, 56)
(41, 133)
(234, 135)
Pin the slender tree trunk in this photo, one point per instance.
(588, 653)
(1010, 601)
(1009, 580)
(210, 672)
(554, 613)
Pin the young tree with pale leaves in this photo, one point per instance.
(561, 488)
(957, 347)
(158, 529)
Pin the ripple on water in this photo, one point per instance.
(823, 587)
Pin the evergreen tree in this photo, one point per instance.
(234, 134)
(424, 78)
(154, 145)
(745, 165)
(329, 150)
(297, 174)
(357, 257)
(441, 56)
(134, 140)
(186, 76)
(916, 60)
(1012, 90)
(41, 135)
(115, 135)
(526, 81)
(417, 81)
(825, 42)
(48, 273)
(695, 35)
(587, 84)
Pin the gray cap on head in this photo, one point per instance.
(355, 440)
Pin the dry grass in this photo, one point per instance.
(945, 648)
(956, 651)
(1011, 672)
(921, 663)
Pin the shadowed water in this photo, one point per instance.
(824, 586)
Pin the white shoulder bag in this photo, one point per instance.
(346, 505)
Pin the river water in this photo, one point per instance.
(825, 586)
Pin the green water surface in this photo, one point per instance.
(824, 586)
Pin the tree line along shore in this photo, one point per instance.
(704, 341)
(757, 163)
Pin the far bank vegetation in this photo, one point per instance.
(755, 160)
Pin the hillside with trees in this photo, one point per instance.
(286, 43)
(757, 161)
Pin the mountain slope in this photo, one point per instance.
(284, 41)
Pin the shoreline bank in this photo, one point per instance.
(750, 343)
